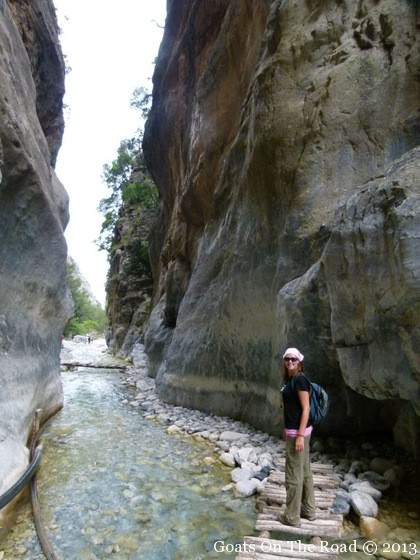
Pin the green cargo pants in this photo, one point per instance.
(300, 498)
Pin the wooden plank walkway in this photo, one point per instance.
(272, 503)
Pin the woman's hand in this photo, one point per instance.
(300, 443)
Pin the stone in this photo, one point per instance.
(173, 429)
(290, 208)
(232, 436)
(246, 454)
(341, 505)
(393, 476)
(33, 215)
(376, 480)
(366, 488)
(266, 460)
(363, 504)
(239, 474)
(227, 459)
(371, 528)
(246, 488)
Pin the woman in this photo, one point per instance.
(300, 500)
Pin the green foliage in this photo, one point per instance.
(129, 184)
(88, 316)
(141, 100)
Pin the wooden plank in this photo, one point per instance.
(279, 477)
(276, 488)
(320, 513)
(310, 528)
(316, 467)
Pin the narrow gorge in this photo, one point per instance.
(284, 140)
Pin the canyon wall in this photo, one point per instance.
(33, 214)
(284, 138)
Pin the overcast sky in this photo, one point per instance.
(110, 47)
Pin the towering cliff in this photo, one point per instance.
(33, 214)
(284, 139)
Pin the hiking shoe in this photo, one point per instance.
(309, 517)
(284, 520)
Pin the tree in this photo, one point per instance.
(88, 315)
(128, 180)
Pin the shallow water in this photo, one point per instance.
(112, 484)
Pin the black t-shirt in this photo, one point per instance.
(291, 402)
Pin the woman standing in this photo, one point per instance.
(300, 500)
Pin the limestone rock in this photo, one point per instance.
(283, 140)
(367, 488)
(33, 214)
(363, 504)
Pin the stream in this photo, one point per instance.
(113, 484)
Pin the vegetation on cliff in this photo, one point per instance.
(88, 315)
(129, 213)
(131, 191)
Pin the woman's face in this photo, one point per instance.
(292, 364)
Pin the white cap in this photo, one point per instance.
(294, 352)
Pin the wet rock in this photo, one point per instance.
(363, 504)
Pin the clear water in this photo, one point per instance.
(112, 484)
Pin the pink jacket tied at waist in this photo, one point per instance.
(294, 433)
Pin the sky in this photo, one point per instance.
(110, 48)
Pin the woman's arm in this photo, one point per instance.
(304, 402)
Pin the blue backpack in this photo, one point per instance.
(318, 402)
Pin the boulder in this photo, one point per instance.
(372, 528)
(363, 504)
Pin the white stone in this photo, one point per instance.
(173, 429)
(246, 454)
(227, 459)
(240, 474)
(232, 436)
(246, 488)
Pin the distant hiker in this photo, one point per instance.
(300, 499)
(89, 339)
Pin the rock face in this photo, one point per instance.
(284, 140)
(33, 214)
(129, 286)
